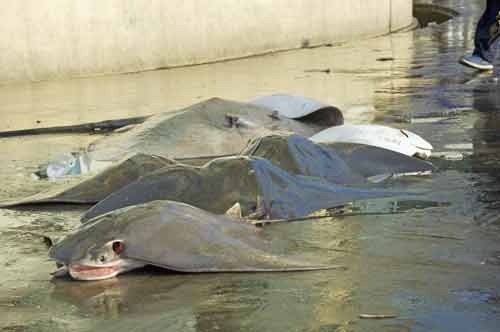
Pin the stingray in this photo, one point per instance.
(212, 127)
(299, 107)
(169, 235)
(255, 184)
(399, 140)
(341, 163)
(95, 188)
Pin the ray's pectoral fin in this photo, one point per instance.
(263, 264)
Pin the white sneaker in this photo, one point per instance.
(476, 62)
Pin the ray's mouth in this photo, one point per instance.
(87, 272)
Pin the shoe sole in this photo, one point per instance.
(475, 65)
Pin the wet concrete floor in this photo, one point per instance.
(434, 268)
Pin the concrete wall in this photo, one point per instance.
(401, 14)
(47, 39)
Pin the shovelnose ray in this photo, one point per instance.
(342, 163)
(373, 162)
(92, 190)
(212, 127)
(399, 140)
(170, 235)
(299, 107)
(255, 183)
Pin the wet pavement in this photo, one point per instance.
(436, 268)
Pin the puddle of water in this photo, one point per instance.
(435, 267)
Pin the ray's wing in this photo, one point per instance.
(92, 190)
(302, 109)
(287, 196)
(370, 161)
(183, 238)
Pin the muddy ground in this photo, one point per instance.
(435, 268)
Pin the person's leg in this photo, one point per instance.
(487, 33)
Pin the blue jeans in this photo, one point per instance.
(487, 31)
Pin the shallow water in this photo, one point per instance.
(436, 268)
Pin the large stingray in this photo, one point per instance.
(299, 107)
(213, 127)
(95, 188)
(349, 164)
(343, 163)
(399, 140)
(169, 235)
(254, 183)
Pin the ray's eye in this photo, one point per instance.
(118, 247)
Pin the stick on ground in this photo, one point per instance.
(100, 126)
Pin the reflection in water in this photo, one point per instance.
(486, 157)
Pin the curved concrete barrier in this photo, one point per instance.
(47, 39)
